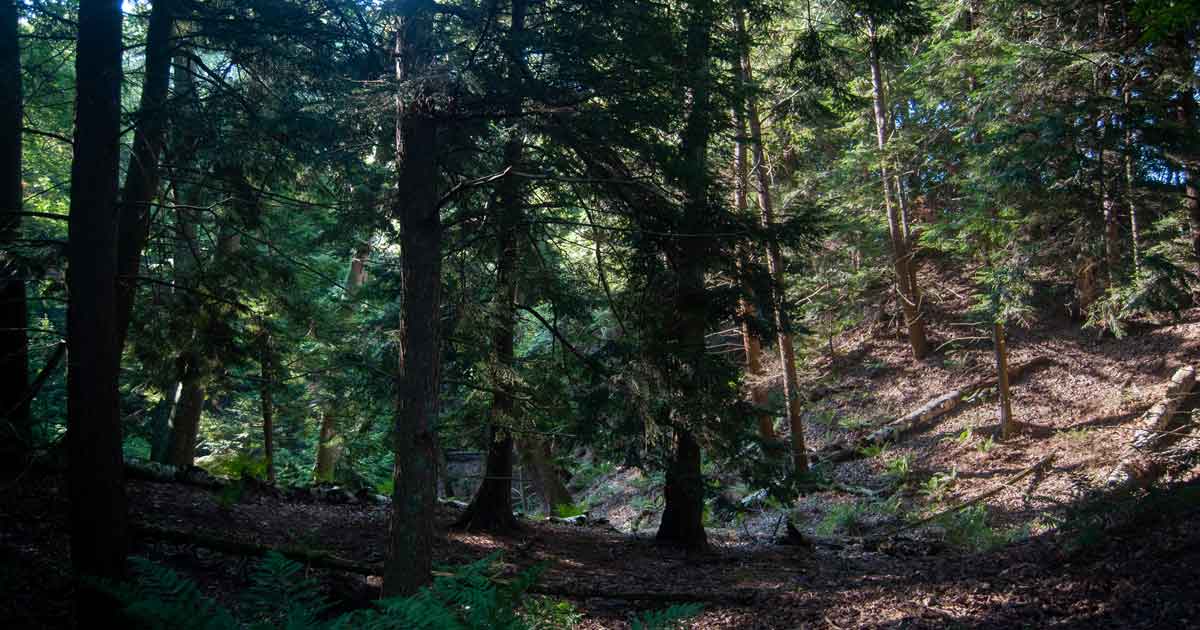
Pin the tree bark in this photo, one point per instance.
(783, 324)
(1191, 200)
(491, 508)
(98, 520)
(266, 363)
(1008, 428)
(537, 457)
(329, 445)
(15, 430)
(418, 380)
(683, 493)
(142, 176)
(751, 341)
(189, 407)
(910, 302)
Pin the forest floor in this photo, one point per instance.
(1042, 562)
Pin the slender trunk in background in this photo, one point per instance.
(267, 377)
(491, 508)
(185, 428)
(683, 491)
(409, 561)
(142, 177)
(329, 445)
(1191, 201)
(910, 302)
(747, 311)
(1134, 226)
(783, 324)
(1008, 428)
(15, 431)
(98, 520)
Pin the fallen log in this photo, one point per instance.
(1139, 467)
(324, 560)
(898, 428)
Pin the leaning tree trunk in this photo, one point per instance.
(418, 379)
(98, 521)
(683, 492)
(15, 431)
(783, 325)
(901, 256)
(142, 177)
(491, 508)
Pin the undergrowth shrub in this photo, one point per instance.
(280, 596)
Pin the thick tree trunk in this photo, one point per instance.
(185, 428)
(910, 302)
(683, 493)
(783, 324)
(141, 178)
(491, 509)
(418, 380)
(15, 431)
(98, 520)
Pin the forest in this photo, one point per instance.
(533, 314)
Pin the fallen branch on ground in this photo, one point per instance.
(898, 428)
(1138, 466)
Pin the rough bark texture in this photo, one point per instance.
(98, 522)
(901, 255)
(683, 493)
(141, 178)
(15, 433)
(1191, 200)
(185, 427)
(923, 415)
(410, 542)
(491, 508)
(787, 353)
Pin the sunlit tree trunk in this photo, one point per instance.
(910, 301)
(747, 311)
(783, 324)
(409, 560)
(15, 430)
(1008, 428)
(98, 522)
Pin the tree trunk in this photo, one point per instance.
(185, 428)
(1134, 224)
(491, 509)
(537, 457)
(901, 256)
(683, 493)
(418, 380)
(15, 430)
(783, 324)
(98, 520)
(141, 177)
(1191, 201)
(266, 363)
(751, 341)
(329, 445)
(1008, 428)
